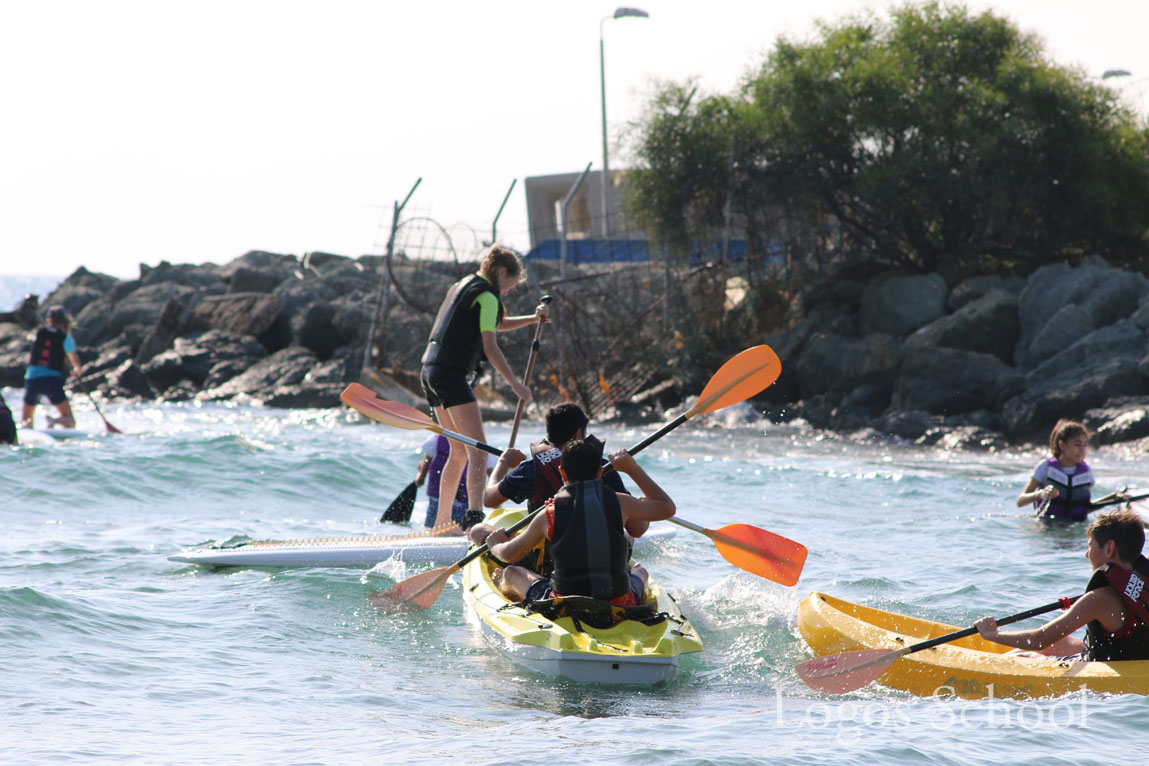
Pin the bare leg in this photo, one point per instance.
(466, 419)
(66, 419)
(26, 415)
(514, 581)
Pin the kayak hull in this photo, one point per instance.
(628, 653)
(364, 551)
(970, 667)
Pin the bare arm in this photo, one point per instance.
(514, 323)
(1032, 494)
(421, 471)
(492, 497)
(517, 547)
(655, 505)
(1102, 605)
(496, 358)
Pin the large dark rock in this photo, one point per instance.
(144, 306)
(835, 363)
(1126, 422)
(988, 324)
(247, 280)
(907, 424)
(240, 313)
(970, 290)
(949, 381)
(204, 278)
(80, 289)
(1029, 414)
(194, 357)
(1107, 294)
(1070, 324)
(286, 367)
(901, 304)
(314, 328)
(127, 381)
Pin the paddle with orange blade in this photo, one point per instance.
(845, 672)
(750, 548)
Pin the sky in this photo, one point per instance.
(136, 132)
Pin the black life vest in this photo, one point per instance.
(455, 339)
(548, 481)
(588, 543)
(1072, 501)
(1131, 640)
(48, 349)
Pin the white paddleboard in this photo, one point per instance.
(50, 435)
(363, 551)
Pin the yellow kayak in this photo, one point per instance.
(627, 653)
(969, 667)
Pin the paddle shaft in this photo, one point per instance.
(522, 406)
(973, 631)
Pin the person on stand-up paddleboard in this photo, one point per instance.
(585, 524)
(462, 336)
(1114, 609)
(52, 348)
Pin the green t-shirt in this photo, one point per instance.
(488, 311)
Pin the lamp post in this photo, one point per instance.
(619, 13)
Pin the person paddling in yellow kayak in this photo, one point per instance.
(584, 523)
(462, 336)
(1114, 609)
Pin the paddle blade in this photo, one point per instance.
(745, 374)
(111, 428)
(364, 401)
(760, 552)
(845, 672)
(401, 507)
(417, 592)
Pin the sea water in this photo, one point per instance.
(110, 653)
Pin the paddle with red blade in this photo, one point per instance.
(111, 428)
(847, 671)
(755, 550)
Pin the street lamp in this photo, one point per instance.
(619, 13)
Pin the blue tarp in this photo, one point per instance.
(635, 251)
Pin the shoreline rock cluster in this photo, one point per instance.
(976, 363)
(986, 362)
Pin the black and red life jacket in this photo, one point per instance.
(1131, 640)
(48, 349)
(588, 543)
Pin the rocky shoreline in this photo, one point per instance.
(986, 362)
(977, 363)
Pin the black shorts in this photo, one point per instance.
(51, 386)
(445, 386)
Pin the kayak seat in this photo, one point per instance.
(592, 612)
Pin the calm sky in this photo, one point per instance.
(190, 132)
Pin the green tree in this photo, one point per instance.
(933, 139)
